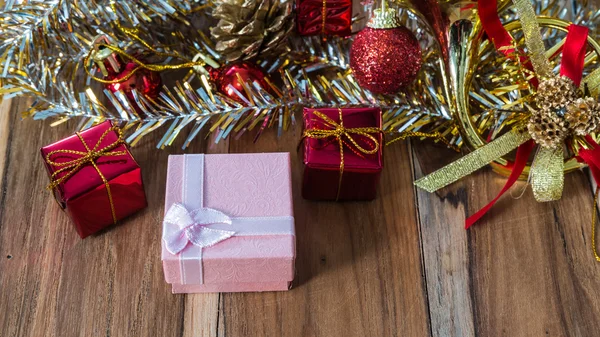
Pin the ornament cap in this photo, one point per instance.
(105, 59)
(384, 18)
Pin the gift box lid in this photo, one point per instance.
(239, 185)
(87, 178)
(325, 153)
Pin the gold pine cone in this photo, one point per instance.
(556, 93)
(249, 27)
(547, 129)
(583, 116)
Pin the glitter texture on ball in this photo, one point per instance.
(385, 60)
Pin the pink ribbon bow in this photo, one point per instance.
(182, 227)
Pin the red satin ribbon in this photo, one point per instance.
(503, 41)
(523, 153)
(573, 54)
(571, 66)
(488, 14)
(592, 158)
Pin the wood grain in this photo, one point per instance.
(358, 265)
(445, 250)
(401, 265)
(526, 269)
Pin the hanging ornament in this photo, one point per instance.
(146, 82)
(385, 56)
(228, 79)
(125, 76)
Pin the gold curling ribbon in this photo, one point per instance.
(592, 83)
(338, 131)
(134, 33)
(88, 157)
(140, 65)
(547, 174)
(415, 134)
(473, 161)
(533, 38)
(594, 248)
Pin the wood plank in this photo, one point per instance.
(358, 264)
(5, 118)
(445, 250)
(362, 268)
(525, 269)
(111, 284)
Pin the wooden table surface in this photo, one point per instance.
(401, 265)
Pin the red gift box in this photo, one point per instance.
(328, 176)
(94, 177)
(329, 17)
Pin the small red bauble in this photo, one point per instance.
(384, 60)
(227, 76)
(146, 82)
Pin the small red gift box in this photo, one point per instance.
(328, 17)
(94, 177)
(342, 153)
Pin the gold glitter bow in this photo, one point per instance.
(86, 157)
(338, 131)
(547, 170)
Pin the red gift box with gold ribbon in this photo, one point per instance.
(327, 17)
(343, 154)
(95, 178)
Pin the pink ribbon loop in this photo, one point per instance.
(182, 227)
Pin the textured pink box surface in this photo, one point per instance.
(240, 185)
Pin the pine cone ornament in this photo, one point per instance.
(556, 94)
(547, 128)
(583, 116)
(247, 28)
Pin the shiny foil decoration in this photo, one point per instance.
(42, 67)
(84, 194)
(227, 79)
(248, 28)
(349, 174)
(385, 60)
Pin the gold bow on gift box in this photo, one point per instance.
(340, 133)
(88, 157)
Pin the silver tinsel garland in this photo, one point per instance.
(44, 44)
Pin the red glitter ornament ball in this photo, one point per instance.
(226, 77)
(385, 60)
(146, 82)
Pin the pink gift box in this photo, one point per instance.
(254, 190)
